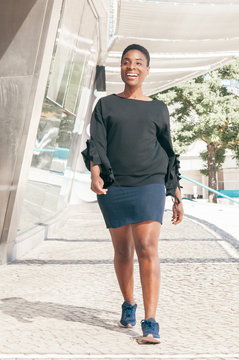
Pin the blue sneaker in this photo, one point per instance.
(150, 330)
(128, 315)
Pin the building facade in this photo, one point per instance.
(47, 75)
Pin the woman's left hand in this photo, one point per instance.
(177, 213)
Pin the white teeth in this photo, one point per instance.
(133, 75)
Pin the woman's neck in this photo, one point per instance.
(133, 93)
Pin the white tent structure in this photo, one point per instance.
(185, 38)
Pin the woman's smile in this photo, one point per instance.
(131, 76)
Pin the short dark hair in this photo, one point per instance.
(137, 47)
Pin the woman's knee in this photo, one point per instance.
(146, 235)
(147, 249)
(123, 243)
(124, 253)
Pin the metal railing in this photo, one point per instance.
(208, 188)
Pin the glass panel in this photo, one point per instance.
(61, 68)
(75, 82)
(79, 61)
(65, 48)
(56, 148)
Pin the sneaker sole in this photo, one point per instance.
(148, 340)
(129, 326)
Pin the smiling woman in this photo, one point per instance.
(131, 159)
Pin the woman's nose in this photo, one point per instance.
(131, 66)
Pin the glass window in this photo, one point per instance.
(70, 77)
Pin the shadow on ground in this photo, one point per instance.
(26, 311)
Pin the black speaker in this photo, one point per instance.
(100, 78)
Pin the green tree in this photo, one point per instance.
(205, 109)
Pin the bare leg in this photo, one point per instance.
(146, 235)
(123, 243)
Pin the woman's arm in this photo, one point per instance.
(177, 208)
(94, 155)
(172, 183)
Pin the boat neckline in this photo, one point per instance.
(123, 97)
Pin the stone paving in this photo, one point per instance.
(63, 299)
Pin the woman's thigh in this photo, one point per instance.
(122, 239)
(146, 236)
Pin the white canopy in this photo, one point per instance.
(185, 38)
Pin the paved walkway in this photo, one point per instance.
(62, 299)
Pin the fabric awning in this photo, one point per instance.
(185, 38)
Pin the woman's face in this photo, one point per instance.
(134, 68)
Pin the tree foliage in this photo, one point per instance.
(207, 108)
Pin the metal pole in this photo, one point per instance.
(208, 188)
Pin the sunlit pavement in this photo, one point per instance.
(62, 299)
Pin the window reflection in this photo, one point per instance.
(46, 135)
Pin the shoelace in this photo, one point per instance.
(150, 325)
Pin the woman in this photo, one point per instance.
(131, 159)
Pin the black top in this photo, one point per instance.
(131, 139)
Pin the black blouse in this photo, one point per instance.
(130, 141)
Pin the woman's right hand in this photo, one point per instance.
(97, 184)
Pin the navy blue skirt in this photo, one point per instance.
(124, 205)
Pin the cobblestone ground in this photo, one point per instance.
(63, 298)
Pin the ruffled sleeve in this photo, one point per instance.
(173, 176)
(96, 147)
(90, 154)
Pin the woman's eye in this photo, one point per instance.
(138, 63)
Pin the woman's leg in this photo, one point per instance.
(123, 243)
(146, 235)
